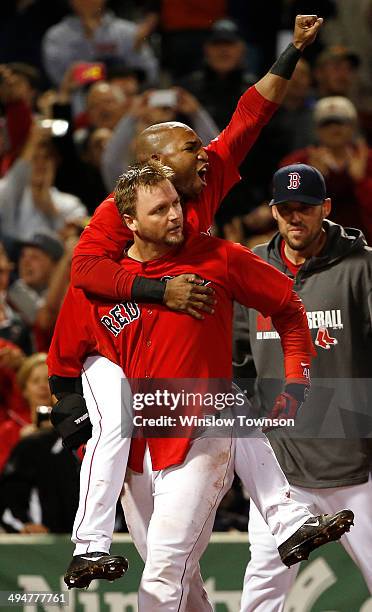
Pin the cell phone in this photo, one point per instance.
(163, 97)
(57, 127)
(89, 72)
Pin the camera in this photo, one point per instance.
(57, 127)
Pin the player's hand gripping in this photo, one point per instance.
(288, 403)
(305, 30)
(186, 293)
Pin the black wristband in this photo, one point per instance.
(148, 290)
(63, 385)
(286, 62)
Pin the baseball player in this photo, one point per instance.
(153, 342)
(203, 177)
(332, 270)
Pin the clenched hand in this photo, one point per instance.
(186, 293)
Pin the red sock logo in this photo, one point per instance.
(323, 339)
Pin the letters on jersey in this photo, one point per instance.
(119, 316)
(321, 320)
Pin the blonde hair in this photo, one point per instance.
(27, 366)
(144, 175)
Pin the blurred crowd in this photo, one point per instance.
(79, 79)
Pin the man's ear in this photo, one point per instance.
(327, 207)
(155, 156)
(130, 222)
(274, 212)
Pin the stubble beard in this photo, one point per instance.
(303, 244)
(174, 240)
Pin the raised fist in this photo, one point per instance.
(305, 30)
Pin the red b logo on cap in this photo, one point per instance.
(294, 180)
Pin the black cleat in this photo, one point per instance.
(317, 530)
(85, 568)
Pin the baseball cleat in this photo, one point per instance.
(317, 530)
(91, 566)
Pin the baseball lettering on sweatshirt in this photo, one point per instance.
(321, 320)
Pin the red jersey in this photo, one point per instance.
(150, 341)
(104, 239)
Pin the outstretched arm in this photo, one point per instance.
(258, 103)
(273, 86)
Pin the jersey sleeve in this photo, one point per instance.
(72, 340)
(94, 264)
(228, 150)
(255, 283)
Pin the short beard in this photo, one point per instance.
(174, 240)
(303, 246)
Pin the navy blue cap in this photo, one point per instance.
(298, 183)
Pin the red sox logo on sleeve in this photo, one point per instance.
(294, 180)
(321, 320)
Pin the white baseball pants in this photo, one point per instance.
(107, 395)
(105, 461)
(257, 467)
(267, 581)
(170, 516)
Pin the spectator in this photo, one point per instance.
(184, 27)
(129, 81)
(39, 484)
(218, 86)
(105, 105)
(336, 72)
(344, 160)
(12, 328)
(77, 173)
(352, 27)
(27, 80)
(14, 413)
(294, 119)
(223, 78)
(147, 110)
(44, 272)
(16, 97)
(95, 146)
(93, 34)
(259, 23)
(29, 202)
(37, 262)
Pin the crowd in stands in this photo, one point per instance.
(79, 80)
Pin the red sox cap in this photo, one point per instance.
(298, 183)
